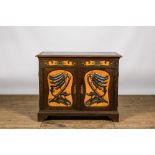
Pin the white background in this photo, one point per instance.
(19, 45)
(77, 13)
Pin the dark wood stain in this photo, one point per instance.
(78, 70)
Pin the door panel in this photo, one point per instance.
(97, 85)
(60, 88)
(96, 88)
(60, 83)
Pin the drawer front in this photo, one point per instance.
(80, 62)
(60, 62)
(98, 62)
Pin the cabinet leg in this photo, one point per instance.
(114, 117)
(42, 117)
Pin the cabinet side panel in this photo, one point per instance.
(116, 75)
(41, 86)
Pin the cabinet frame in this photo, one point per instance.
(78, 70)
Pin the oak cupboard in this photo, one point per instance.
(78, 84)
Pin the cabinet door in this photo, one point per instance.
(97, 88)
(59, 88)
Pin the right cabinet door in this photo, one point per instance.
(97, 88)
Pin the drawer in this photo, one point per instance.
(54, 62)
(99, 62)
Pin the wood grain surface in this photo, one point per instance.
(20, 111)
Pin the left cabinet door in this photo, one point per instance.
(59, 88)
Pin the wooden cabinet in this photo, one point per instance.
(78, 84)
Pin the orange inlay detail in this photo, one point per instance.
(97, 87)
(65, 63)
(102, 63)
(60, 84)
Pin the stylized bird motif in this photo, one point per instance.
(97, 82)
(59, 82)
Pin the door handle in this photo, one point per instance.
(81, 89)
(74, 91)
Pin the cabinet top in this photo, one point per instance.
(78, 54)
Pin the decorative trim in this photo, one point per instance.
(59, 63)
(60, 84)
(97, 85)
(96, 63)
